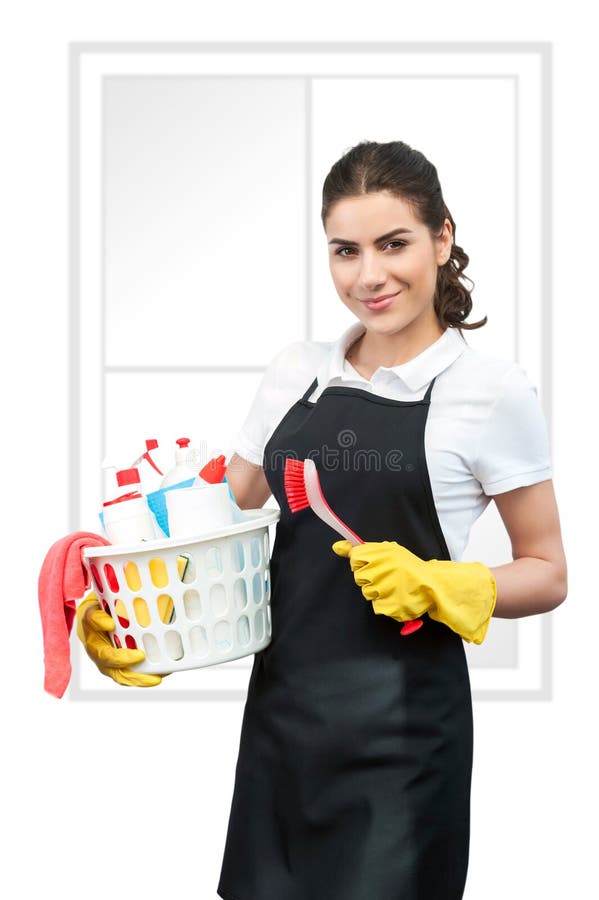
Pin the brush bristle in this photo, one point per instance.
(295, 487)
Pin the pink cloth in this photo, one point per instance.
(62, 581)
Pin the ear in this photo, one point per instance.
(444, 243)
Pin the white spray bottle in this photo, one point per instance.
(127, 518)
(183, 469)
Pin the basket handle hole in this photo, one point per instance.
(151, 647)
(186, 568)
(173, 644)
(142, 613)
(97, 579)
(238, 556)
(192, 604)
(166, 609)
(122, 614)
(111, 578)
(132, 576)
(158, 572)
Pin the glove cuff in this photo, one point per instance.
(488, 595)
(91, 599)
(465, 598)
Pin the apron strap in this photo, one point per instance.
(311, 389)
(427, 396)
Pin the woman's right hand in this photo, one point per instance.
(93, 625)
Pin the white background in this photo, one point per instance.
(102, 798)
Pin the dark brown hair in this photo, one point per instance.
(396, 168)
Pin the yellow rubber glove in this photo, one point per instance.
(461, 595)
(93, 623)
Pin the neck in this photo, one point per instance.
(373, 349)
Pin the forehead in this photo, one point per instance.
(369, 215)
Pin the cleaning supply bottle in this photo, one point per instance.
(147, 466)
(182, 470)
(213, 472)
(109, 470)
(127, 518)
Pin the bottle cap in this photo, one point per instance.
(151, 444)
(214, 470)
(183, 442)
(127, 476)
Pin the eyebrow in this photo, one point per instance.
(379, 240)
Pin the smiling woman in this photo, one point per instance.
(354, 770)
(355, 757)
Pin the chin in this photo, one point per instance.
(391, 326)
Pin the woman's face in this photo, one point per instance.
(378, 247)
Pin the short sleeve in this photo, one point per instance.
(513, 447)
(277, 390)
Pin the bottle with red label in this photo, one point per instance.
(127, 518)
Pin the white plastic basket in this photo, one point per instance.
(193, 602)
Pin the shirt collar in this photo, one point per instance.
(415, 373)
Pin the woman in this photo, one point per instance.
(353, 779)
(354, 769)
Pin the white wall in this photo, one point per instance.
(154, 807)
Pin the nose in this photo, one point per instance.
(372, 272)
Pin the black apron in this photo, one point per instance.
(355, 758)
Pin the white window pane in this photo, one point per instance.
(204, 230)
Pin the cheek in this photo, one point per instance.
(342, 277)
(420, 275)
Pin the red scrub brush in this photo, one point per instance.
(302, 487)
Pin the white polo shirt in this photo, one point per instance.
(485, 432)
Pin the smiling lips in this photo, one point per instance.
(379, 303)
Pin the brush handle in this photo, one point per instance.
(323, 511)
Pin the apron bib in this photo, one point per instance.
(355, 758)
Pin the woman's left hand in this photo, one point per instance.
(399, 584)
